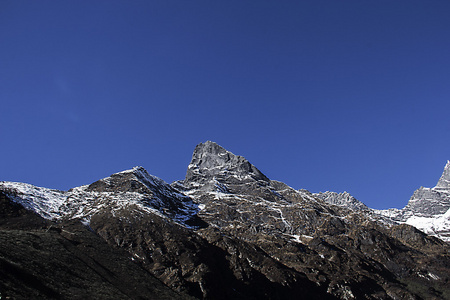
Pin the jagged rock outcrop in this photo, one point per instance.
(343, 199)
(444, 180)
(211, 164)
(229, 232)
(429, 202)
(428, 209)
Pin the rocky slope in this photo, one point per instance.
(40, 259)
(228, 232)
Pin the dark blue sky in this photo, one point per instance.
(323, 95)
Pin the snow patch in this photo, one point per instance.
(43, 201)
(432, 225)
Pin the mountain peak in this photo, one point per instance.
(138, 171)
(444, 181)
(134, 170)
(128, 180)
(210, 160)
(210, 147)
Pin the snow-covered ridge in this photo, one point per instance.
(130, 189)
(43, 201)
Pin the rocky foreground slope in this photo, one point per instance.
(224, 232)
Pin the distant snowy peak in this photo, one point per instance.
(429, 202)
(212, 162)
(428, 209)
(343, 199)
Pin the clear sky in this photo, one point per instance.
(344, 95)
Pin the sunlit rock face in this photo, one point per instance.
(429, 202)
(211, 163)
(444, 181)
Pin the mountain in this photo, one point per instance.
(428, 209)
(226, 231)
(444, 181)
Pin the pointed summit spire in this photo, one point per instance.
(444, 181)
(211, 160)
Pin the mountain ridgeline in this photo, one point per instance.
(224, 232)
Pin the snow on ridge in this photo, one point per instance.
(152, 181)
(43, 201)
(344, 199)
(435, 225)
(82, 203)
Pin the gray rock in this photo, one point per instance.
(211, 161)
(343, 199)
(444, 181)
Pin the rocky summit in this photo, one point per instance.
(226, 231)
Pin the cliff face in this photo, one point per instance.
(444, 181)
(430, 202)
